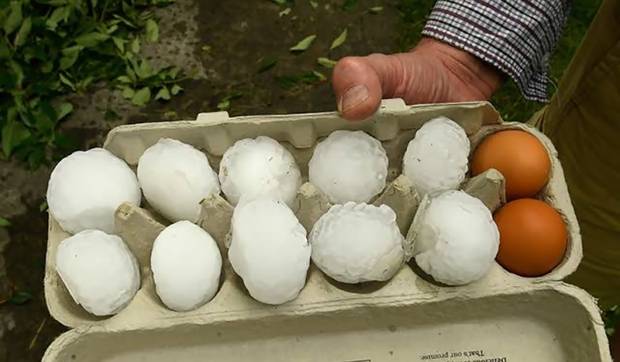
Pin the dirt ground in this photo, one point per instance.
(222, 45)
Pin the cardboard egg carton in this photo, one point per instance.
(502, 317)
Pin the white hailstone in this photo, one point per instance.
(354, 243)
(175, 177)
(86, 188)
(257, 168)
(269, 250)
(349, 166)
(99, 271)
(186, 265)
(437, 157)
(456, 239)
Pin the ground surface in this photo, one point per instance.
(222, 45)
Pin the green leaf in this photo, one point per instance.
(142, 97)
(152, 31)
(284, 12)
(349, 4)
(339, 40)
(124, 79)
(20, 298)
(110, 115)
(176, 89)
(89, 40)
(66, 81)
(120, 44)
(128, 92)
(63, 110)
(376, 9)
(163, 93)
(135, 45)
(224, 104)
(19, 73)
(266, 64)
(24, 31)
(57, 15)
(326, 62)
(303, 44)
(69, 56)
(14, 19)
(5, 53)
(314, 4)
(319, 76)
(144, 70)
(13, 134)
(290, 81)
(43, 207)
(4, 222)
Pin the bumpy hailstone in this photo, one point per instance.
(349, 166)
(257, 168)
(175, 177)
(269, 250)
(436, 158)
(99, 271)
(186, 264)
(456, 239)
(86, 188)
(355, 243)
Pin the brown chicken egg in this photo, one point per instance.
(533, 237)
(519, 156)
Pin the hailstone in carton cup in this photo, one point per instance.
(175, 177)
(186, 265)
(456, 239)
(86, 188)
(269, 250)
(437, 157)
(354, 243)
(257, 168)
(99, 271)
(349, 166)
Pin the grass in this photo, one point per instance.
(508, 99)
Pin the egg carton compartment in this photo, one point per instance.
(546, 323)
(395, 125)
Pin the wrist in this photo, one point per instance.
(481, 76)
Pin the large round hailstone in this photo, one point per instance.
(456, 239)
(354, 243)
(349, 166)
(86, 188)
(257, 168)
(269, 250)
(175, 177)
(99, 271)
(186, 265)
(437, 157)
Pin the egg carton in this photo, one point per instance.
(502, 317)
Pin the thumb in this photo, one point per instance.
(361, 82)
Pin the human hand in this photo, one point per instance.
(432, 72)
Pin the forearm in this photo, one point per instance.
(514, 36)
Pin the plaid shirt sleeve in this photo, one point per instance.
(515, 36)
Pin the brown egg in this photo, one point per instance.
(533, 237)
(519, 156)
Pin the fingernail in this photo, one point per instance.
(352, 98)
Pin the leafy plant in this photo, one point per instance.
(611, 317)
(51, 48)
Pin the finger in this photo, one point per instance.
(361, 82)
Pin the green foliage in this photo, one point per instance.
(20, 298)
(611, 317)
(51, 48)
